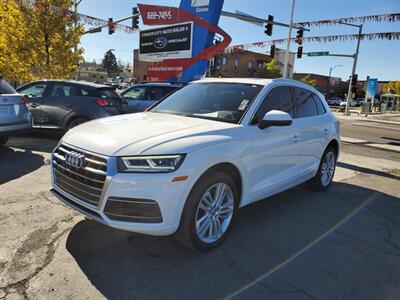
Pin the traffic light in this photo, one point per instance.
(354, 80)
(299, 36)
(135, 19)
(111, 26)
(299, 51)
(272, 51)
(268, 26)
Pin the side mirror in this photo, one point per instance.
(275, 118)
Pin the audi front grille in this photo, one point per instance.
(80, 174)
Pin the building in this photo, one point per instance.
(246, 63)
(328, 86)
(238, 64)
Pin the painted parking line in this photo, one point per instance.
(370, 144)
(237, 293)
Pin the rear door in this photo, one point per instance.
(311, 129)
(134, 97)
(37, 93)
(12, 108)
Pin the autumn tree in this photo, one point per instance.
(392, 87)
(271, 70)
(307, 79)
(56, 34)
(16, 54)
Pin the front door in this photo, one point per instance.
(275, 149)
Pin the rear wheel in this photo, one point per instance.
(209, 212)
(75, 122)
(3, 140)
(326, 170)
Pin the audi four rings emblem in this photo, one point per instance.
(75, 159)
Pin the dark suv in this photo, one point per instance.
(60, 104)
(140, 97)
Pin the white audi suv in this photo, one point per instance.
(188, 163)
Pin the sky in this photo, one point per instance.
(378, 59)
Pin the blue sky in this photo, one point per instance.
(379, 58)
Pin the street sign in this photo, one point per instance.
(322, 53)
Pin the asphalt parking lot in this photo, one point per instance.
(300, 244)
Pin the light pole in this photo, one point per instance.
(329, 77)
(285, 66)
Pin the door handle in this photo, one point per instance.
(296, 138)
(326, 131)
(34, 104)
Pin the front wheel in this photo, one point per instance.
(326, 170)
(209, 212)
(75, 122)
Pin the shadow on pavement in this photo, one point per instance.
(123, 265)
(16, 163)
(37, 140)
(367, 170)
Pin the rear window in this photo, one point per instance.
(105, 93)
(5, 88)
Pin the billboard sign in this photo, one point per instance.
(372, 85)
(170, 42)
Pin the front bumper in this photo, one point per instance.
(157, 211)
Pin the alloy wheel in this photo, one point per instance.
(328, 168)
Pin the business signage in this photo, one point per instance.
(170, 42)
(372, 85)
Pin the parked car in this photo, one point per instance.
(352, 103)
(334, 101)
(139, 97)
(63, 104)
(187, 165)
(14, 114)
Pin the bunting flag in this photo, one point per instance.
(394, 17)
(318, 39)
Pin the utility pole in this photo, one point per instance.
(285, 65)
(349, 94)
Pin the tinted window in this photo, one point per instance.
(33, 90)
(135, 93)
(62, 90)
(5, 88)
(320, 106)
(106, 93)
(304, 103)
(279, 98)
(225, 102)
(156, 93)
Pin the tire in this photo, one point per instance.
(188, 233)
(3, 140)
(323, 179)
(75, 122)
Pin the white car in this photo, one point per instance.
(353, 103)
(187, 164)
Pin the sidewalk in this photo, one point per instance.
(387, 118)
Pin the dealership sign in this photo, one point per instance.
(167, 42)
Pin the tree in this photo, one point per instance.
(392, 87)
(271, 70)
(110, 64)
(307, 79)
(16, 55)
(38, 41)
(56, 34)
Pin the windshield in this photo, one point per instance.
(226, 102)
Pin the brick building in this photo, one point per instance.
(240, 64)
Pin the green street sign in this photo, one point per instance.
(323, 53)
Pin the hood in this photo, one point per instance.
(148, 133)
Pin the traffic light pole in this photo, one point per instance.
(285, 65)
(349, 94)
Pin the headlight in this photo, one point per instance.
(148, 164)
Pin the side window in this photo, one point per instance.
(156, 93)
(34, 90)
(279, 98)
(135, 93)
(304, 103)
(62, 90)
(320, 106)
